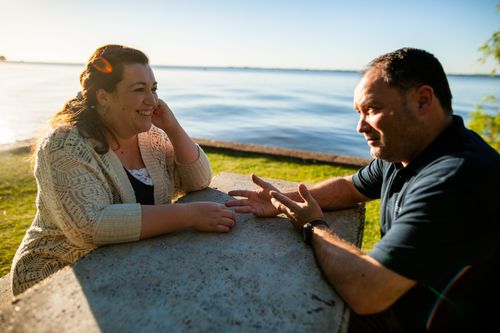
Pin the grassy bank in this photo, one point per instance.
(18, 190)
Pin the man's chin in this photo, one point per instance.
(381, 154)
(375, 152)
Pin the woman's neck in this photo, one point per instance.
(127, 150)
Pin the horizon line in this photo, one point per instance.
(201, 67)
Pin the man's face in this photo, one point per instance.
(388, 123)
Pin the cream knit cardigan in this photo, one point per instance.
(85, 199)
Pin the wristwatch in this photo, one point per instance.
(307, 230)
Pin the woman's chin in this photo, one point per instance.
(144, 127)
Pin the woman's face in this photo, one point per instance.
(128, 110)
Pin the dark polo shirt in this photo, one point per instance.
(440, 226)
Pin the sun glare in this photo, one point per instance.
(102, 65)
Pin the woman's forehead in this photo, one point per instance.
(138, 72)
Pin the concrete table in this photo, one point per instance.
(260, 277)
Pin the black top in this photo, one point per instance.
(440, 227)
(144, 194)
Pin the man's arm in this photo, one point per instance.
(366, 285)
(335, 193)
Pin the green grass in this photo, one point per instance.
(17, 203)
(18, 190)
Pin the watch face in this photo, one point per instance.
(307, 232)
(307, 229)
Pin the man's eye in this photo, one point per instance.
(139, 89)
(155, 89)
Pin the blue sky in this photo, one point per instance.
(256, 33)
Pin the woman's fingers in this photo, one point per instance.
(229, 214)
(222, 228)
(227, 221)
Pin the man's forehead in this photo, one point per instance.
(369, 84)
(372, 88)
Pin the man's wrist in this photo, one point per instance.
(308, 229)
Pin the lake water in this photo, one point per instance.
(307, 110)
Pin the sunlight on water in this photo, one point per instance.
(294, 109)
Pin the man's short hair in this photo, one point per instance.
(408, 68)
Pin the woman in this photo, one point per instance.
(108, 168)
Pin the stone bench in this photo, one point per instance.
(260, 277)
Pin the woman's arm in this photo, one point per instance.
(186, 150)
(76, 196)
(201, 216)
(192, 170)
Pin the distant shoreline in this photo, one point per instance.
(233, 68)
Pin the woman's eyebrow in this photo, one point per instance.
(142, 83)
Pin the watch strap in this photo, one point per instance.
(307, 229)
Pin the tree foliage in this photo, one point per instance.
(487, 124)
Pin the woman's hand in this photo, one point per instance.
(299, 213)
(163, 117)
(186, 151)
(257, 202)
(210, 216)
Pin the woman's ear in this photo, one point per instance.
(102, 97)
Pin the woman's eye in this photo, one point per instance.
(139, 89)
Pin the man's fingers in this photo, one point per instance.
(239, 202)
(244, 209)
(259, 181)
(284, 200)
(282, 208)
(239, 193)
(304, 193)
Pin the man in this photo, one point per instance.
(439, 185)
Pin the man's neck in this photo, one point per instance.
(435, 127)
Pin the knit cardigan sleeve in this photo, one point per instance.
(194, 176)
(78, 195)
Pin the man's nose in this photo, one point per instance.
(363, 126)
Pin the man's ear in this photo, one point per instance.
(424, 97)
(102, 97)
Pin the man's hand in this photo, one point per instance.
(257, 202)
(299, 213)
